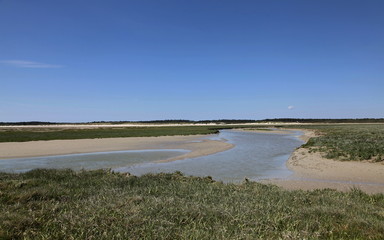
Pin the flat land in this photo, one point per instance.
(335, 156)
(64, 204)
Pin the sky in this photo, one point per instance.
(132, 60)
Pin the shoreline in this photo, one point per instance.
(312, 171)
(197, 145)
(266, 130)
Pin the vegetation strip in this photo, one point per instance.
(337, 141)
(63, 204)
(354, 142)
(24, 135)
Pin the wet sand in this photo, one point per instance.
(266, 130)
(313, 171)
(198, 145)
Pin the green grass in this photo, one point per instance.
(63, 204)
(343, 142)
(349, 142)
(24, 135)
(48, 133)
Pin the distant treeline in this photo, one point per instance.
(181, 121)
(240, 121)
(28, 123)
(219, 121)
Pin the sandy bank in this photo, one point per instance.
(313, 171)
(266, 130)
(198, 146)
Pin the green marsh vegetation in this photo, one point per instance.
(336, 141)
(19, 134)
(354, 142)
(63, 204)
(35, 134)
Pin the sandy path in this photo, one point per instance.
(312, 171)
(198, 146)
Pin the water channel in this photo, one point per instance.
(89, 161)
(255, 156)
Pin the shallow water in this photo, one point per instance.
(255, 156)
(89, 161)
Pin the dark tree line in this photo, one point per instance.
(223, 121)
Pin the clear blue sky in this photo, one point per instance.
(91, 60)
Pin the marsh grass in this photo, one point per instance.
(24, 135)
(63, 204)
(349, 142)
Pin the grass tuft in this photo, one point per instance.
(63, 204)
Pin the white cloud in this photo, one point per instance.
(29, 64)
(291, 107)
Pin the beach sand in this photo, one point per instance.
(198, 145)
(313, 171)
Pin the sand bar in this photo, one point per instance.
(198, 145)
(313, 171)
(265, 130)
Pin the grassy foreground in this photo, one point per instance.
(63, 204)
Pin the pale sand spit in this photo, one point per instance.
(266, 130)
(198, 145)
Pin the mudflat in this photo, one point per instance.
(198, 145)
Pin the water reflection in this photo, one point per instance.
(89, 161)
